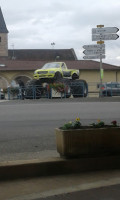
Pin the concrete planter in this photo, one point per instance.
(56, 94)
(88, 142)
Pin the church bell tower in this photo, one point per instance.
(3, 37)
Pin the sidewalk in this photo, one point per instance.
(102, 193)
(49, 175)
(62, 187)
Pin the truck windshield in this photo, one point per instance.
(51, 65)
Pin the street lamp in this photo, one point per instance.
(53, 44)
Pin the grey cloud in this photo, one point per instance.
(66, 22)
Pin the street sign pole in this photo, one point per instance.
(100, 42)
(100, 74)
(97, 51)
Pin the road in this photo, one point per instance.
(29, 127)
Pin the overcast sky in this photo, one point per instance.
(68, 23)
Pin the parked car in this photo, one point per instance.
(2, 95)
(110, 89)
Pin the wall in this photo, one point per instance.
(7, 77)
(94, 76)
(4, 44)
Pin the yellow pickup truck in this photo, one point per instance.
(56, 70)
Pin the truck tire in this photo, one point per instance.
(79, 88)
(85, 88)
(33, 89)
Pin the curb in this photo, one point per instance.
(56, 166)
(79, 99)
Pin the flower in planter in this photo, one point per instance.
(114, 123)
(59, 87)
(72, 125)
(67, 126)
(5, 90)
(99, 124)
(77, 125)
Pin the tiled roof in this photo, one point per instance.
(42, 54)
(90, 65)
(3, 28)
(15, 65)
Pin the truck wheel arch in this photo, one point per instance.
(57, 76)
(74, 76)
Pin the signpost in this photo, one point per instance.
(94, 52)
(97, 51)
(105, 30)
(94, 57)
(93, 46)
(105, 37)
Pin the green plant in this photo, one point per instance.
(59, 87)
(99, 124)
(114, 123)
(72, 125)
(13, 91)
(5, 90)
(77, 125)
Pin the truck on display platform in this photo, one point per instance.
(56, 73)
(56, 70)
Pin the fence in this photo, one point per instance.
(39, 91)
(72, 90)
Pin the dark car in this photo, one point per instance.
(2, 95)
(110, 89)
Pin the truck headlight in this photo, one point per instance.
(51, 72)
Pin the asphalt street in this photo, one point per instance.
(29, 126)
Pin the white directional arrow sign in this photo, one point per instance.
(94, 52)
(105, 37)
(105, 30)
(94, 47)
(94, 57)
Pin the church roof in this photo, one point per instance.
(42, 54)
(3, 28)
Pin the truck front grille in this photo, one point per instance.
(43, 72)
